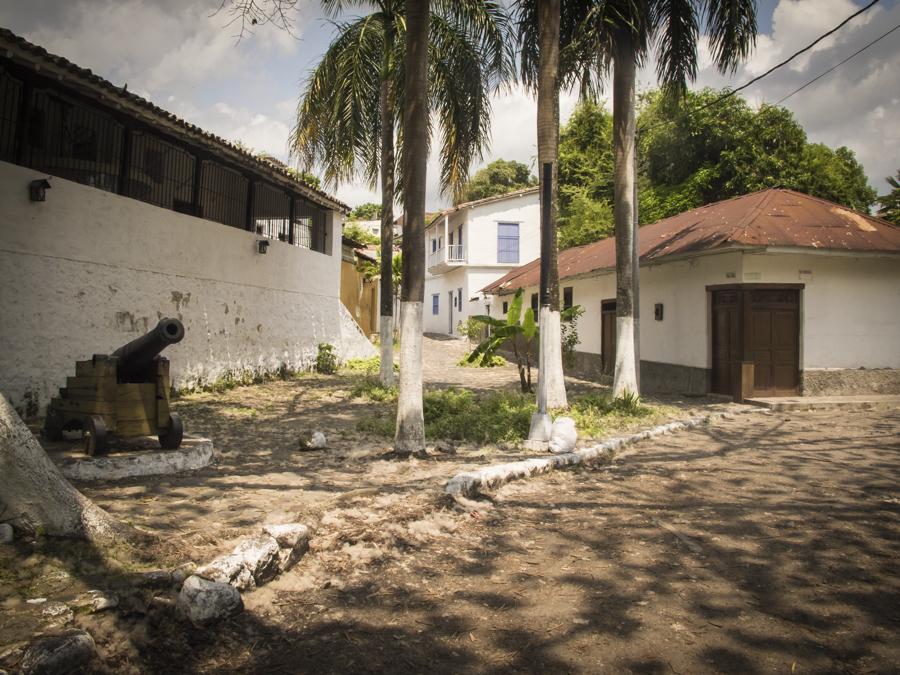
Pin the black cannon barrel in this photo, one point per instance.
(136, 356)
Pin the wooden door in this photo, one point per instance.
(726, 341)
(608, 336)
(773, 340)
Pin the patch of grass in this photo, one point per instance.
(370, 366)
(461, 415)
(494, 362)
(371, 388)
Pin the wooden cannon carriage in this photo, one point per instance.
(125, 393)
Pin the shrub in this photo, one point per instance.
(494, 361)
(372, 389)
(326, 359)
(370, 366)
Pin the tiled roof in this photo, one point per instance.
(769, 218)
(485, 200)
(39, 59)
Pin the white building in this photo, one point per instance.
(772, 293)
(147, 216)
(471, 246)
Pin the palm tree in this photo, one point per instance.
(890, 203)
(539, 41)
(347, 119)
(619, 34)
(410, 434)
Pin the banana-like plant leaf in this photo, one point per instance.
(515, 309)
(529, 325)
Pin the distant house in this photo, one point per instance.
(147, 216)
(470, 246)
(775, 292)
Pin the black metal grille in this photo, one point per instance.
(72, 140)
(10, 102)
(309, 226)
(271, 212)
(223, 195)
(161, 173)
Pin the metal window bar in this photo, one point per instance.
(11, 91)
(508, 242)
(271, 212)
(223, 194)
(161, 173)
(309, 225)
(72, 140)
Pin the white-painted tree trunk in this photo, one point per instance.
(410, 436)
(625, 378)
(386, 331)
(37, 497)
(552, 382)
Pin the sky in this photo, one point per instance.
(184, 56)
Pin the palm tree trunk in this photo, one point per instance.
(625, 377)
(386, 115)
(410, 436)
(552, 384)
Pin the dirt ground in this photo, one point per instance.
(763, 543)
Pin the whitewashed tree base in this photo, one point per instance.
(470, 483)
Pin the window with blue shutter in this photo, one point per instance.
(435, 303)
(507, 242)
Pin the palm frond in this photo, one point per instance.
(731, 26)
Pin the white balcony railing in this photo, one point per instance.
(452, 255)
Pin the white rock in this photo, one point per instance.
(314, 441)
(6, 533)
(563, 435)
(228, 569)
(288, 535)
(202, 601)
(260, 557)
(59, 654)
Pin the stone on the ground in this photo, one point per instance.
(260, 556)
(64, 653)
(563, 435)
(445, 448)
(314, 441)
(288, 535)
(155, 579)
(182, 572)
(202, 601)
(100, 600)
(6, 533)
(228, 569)
(57, 612)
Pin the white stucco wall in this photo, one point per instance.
(481, 268)
(850, 306)
(87, 271)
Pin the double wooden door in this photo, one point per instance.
(758, 325)
(608, 336)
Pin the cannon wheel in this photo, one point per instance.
(95, 436)
(170, 439)
(53, 426)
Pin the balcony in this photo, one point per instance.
(446, 258)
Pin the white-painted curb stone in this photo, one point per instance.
(468, 483)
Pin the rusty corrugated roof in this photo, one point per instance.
(774, 217)
(20, 50)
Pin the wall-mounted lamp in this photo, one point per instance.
(262, 245)
(37, 190)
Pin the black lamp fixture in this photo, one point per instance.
(37, 190)
(262, 245)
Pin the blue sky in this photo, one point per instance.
(181, 55)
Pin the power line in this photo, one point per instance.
(838, 65)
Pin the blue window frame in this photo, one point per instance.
(507, 242)
(435, 303)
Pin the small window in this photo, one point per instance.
(567, 297)
(534, 304)
(435, 303)
(505, 307)
(507, 242)
(433, 245)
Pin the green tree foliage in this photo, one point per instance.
(359, 234)
(890, 203)
(367, 211)
(692, 155)
(498, 178)
(585, 176)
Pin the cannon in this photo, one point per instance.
(125, 394)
